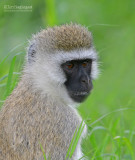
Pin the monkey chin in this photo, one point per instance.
(79, 97)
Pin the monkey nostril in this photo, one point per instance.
(83, 80)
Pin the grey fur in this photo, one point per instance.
(31, 54)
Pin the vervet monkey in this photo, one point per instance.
(61, 64)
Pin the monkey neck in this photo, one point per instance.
(27, 89)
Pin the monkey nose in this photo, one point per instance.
(85, 80)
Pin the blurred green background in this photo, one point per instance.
(112, 24)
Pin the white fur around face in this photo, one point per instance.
(48, 76)
(61, 57)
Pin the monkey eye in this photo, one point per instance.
(84, 64)
(70, 65)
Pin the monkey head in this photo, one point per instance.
(62, 62)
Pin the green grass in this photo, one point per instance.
(75, 140)
(43, 151)
(120, 144)
(111, 137)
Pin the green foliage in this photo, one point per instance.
(10, 76)
(111, 136)
(50, 13)
(43, 152)
(74, 141)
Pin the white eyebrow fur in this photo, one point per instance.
(62, 57)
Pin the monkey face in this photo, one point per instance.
(78, 78)
(65, 76)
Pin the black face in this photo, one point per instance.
(79, 82)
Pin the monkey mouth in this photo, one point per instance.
(80, 93)
(79, 96)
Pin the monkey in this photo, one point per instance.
(61, 63)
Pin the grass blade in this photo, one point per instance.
(10, 76)
(5, 76)
(75, 140)
(6, 57)
(78, 135)
(127, 143)
(43, 152)
(107, 114)
(70, 146)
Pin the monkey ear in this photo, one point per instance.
(31, 54)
